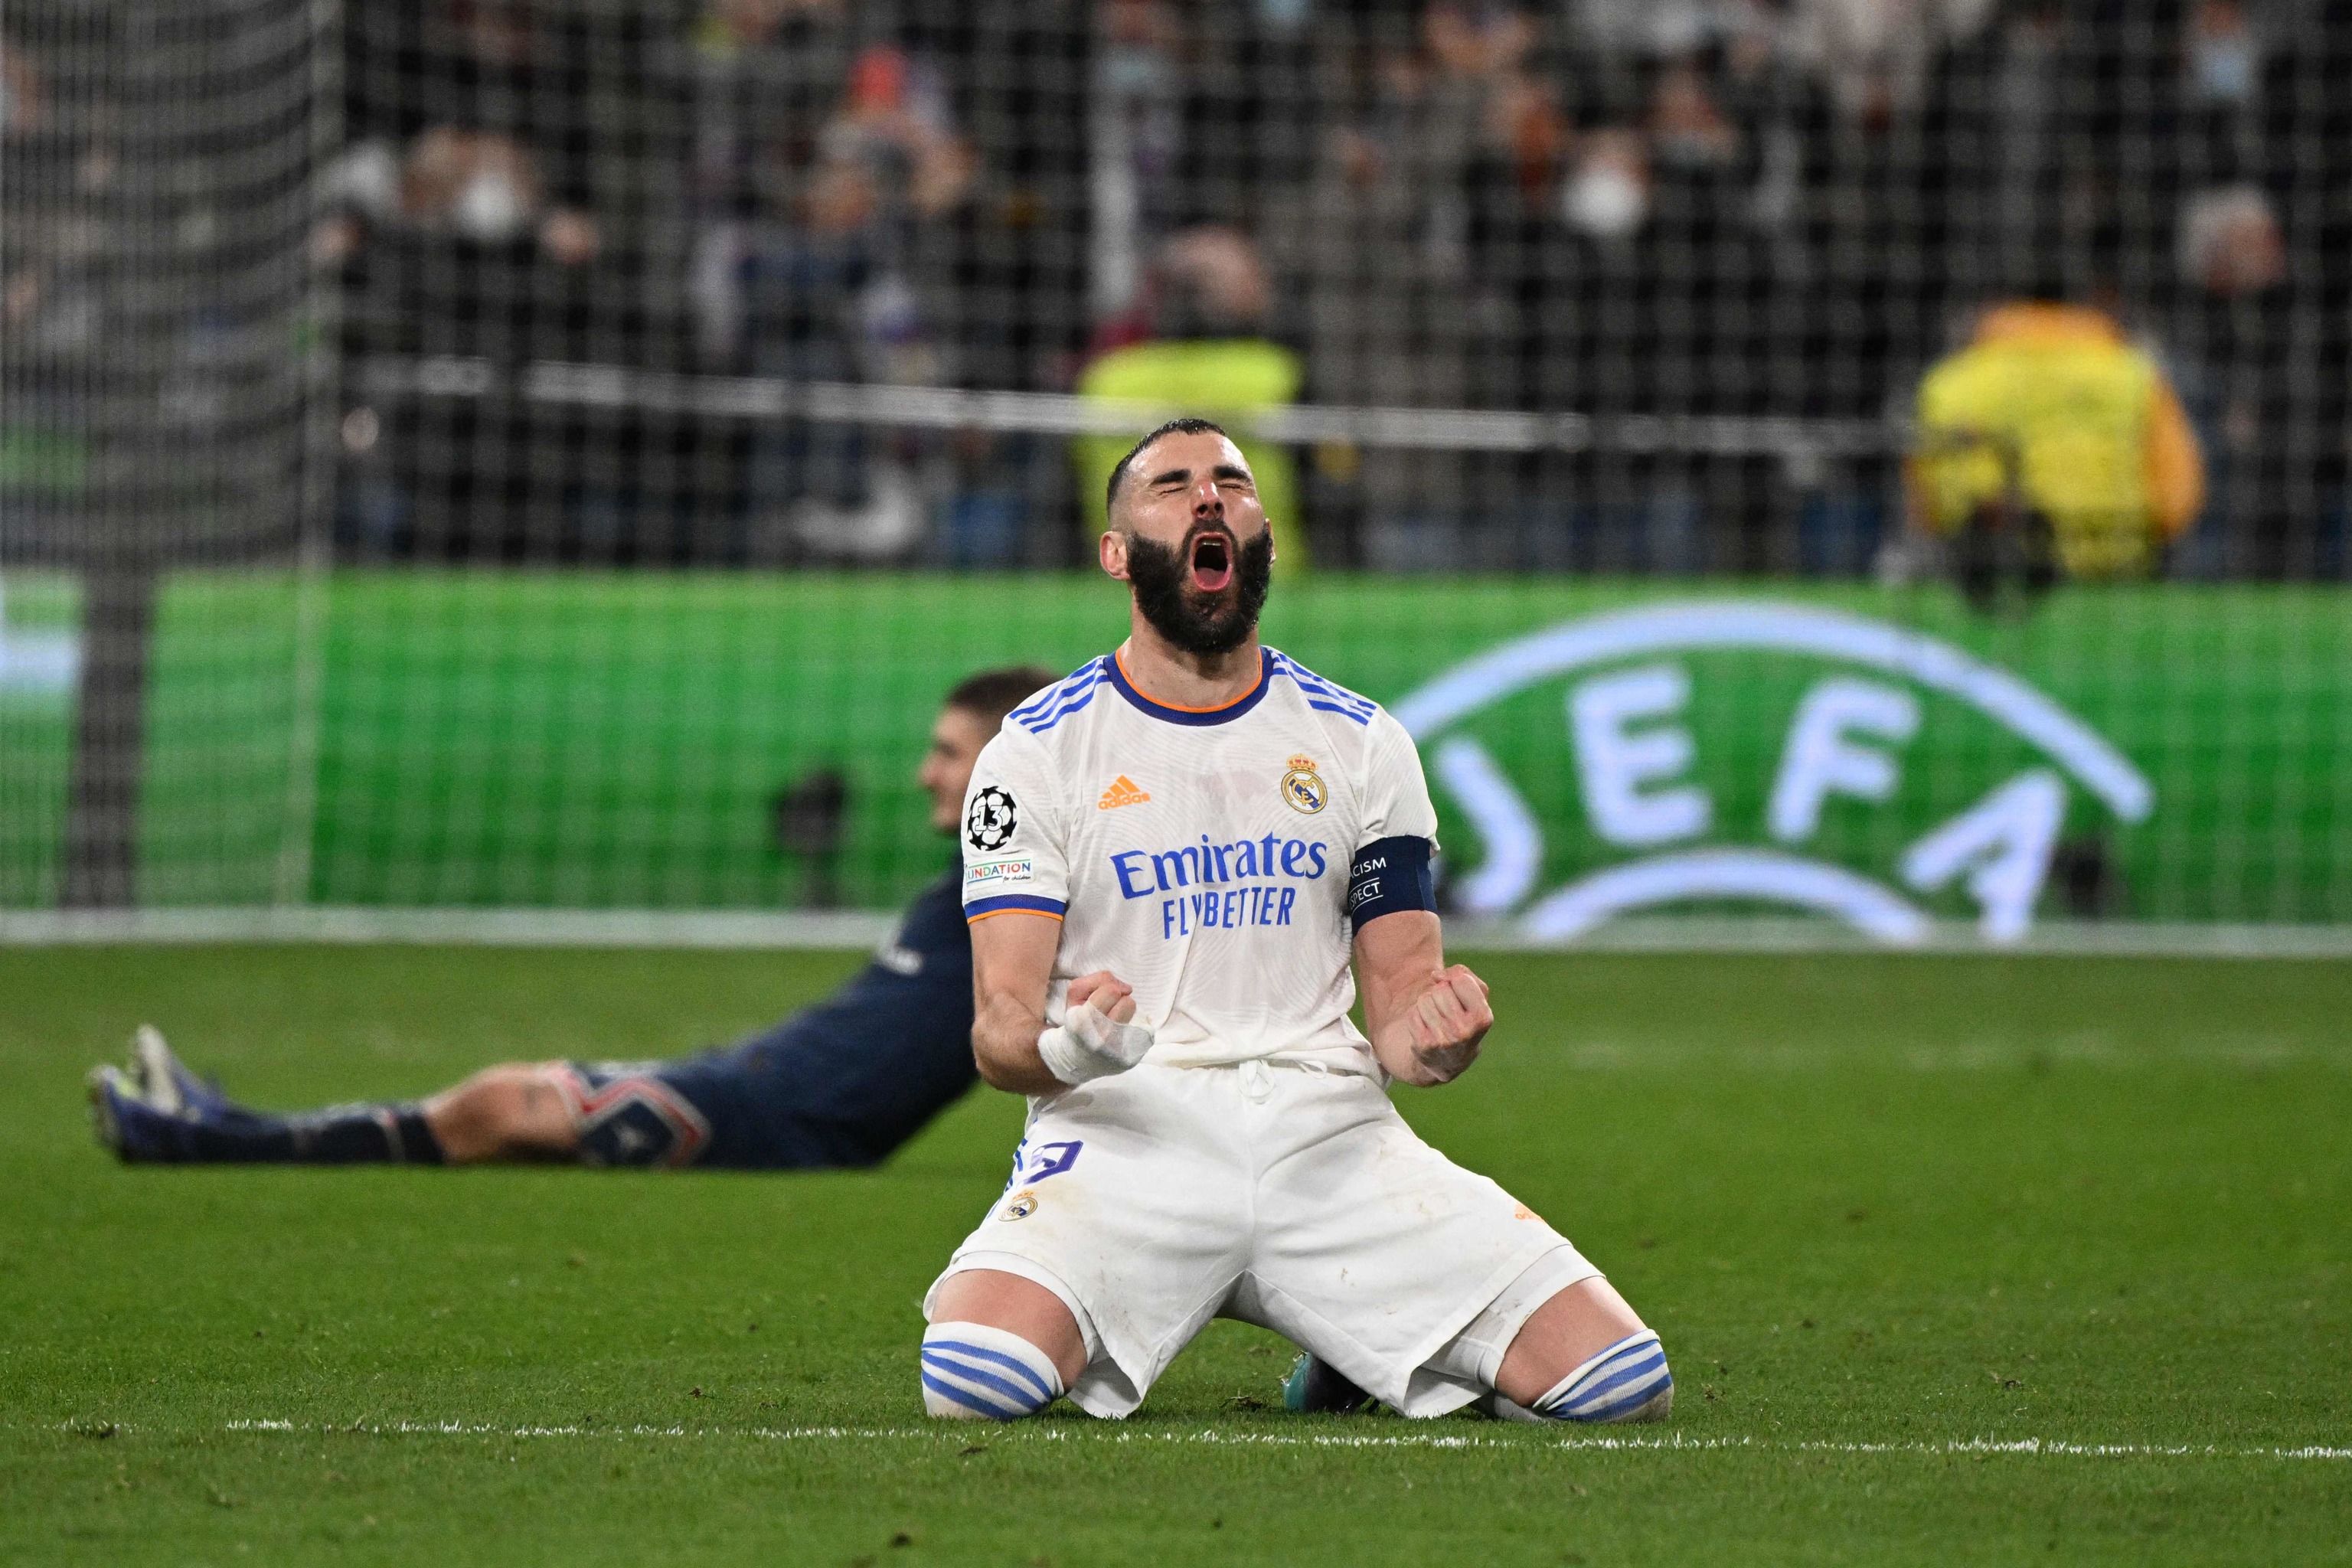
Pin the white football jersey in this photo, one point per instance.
(1200, 856)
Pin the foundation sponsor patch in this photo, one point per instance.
(1006, 873)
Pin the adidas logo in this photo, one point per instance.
(1123, 790)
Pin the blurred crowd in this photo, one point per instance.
(1750, 209)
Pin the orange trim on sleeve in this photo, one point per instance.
(1041, 914)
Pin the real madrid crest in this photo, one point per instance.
(1302, 786)
(1020, 1205)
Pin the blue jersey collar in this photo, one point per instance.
(1173, 714)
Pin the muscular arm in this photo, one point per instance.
(1010, 972)
(1012, 963)
(1425, 1020)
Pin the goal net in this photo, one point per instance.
(1882, 463)
(160, 376)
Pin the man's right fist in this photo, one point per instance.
(1096, 1036)
(1112, 997)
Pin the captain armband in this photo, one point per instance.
(1389, 875)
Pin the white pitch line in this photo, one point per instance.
(2032, 1447)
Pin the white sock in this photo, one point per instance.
(974, 1373)
(1627, 1382)
(1502, 1409)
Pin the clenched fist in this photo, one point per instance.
(1105, 992)
(1096, 1036)
(1445, 1022)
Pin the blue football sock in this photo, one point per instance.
(973, 1373)
(339, 1135)
(1627, 1382)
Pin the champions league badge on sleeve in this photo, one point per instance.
(989, 824)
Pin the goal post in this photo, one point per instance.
(165, 370)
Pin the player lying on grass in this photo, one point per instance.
(842, 1083)
(1167, 857)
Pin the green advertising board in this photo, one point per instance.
(1878, 758)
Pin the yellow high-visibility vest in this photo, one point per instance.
(1224, 379)
(2094, 434)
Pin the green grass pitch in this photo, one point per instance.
(1958, 1260)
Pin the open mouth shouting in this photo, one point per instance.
(1212, 562)
(1204, 595)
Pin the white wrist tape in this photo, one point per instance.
(1086, 1044)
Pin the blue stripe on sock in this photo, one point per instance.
(1021, 1397)
(1619, 1380)
(1044, 1389)
(968, 1400)
(1013, 1397)
(1625, 1405)
(1619, 1375)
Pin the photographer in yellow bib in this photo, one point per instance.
(2051, 447)
(1200, 344)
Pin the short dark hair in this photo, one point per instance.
(1188, 426)
(991, 694)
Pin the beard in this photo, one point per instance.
(1204, 624)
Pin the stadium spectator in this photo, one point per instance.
(52, 238)
(2224, 54)
(1135, 133)
(1432, 188)
(1373, 213)
(449, 244)
(2050, 444)
(830, 251)
(769, 77)
(58, 246)
(732, 30)
(1210, 299)
(1877, 57)
(1382, 215)
(1693, 207)
(2307, 125)
(24, 98)
(475, 186)
(2235, 366)
(1646, 28)
(812, 287)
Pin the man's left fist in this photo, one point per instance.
(1448, 1020)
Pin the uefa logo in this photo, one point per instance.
(1903, 779)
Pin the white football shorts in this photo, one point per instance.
(1277, 1195)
